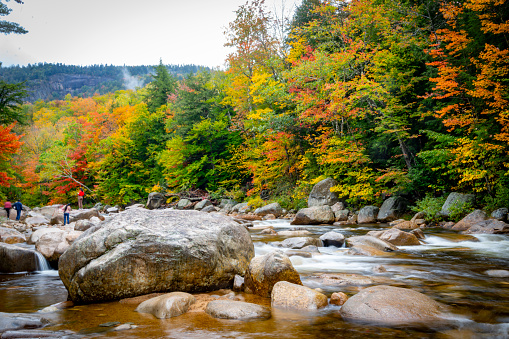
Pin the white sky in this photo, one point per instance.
(118, 32)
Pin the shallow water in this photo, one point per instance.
(449, 268)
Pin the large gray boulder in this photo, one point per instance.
(455, 200)
(392, 209)
(141, 251)
(301, 242)
(332, 239)
(155, 200)
(321, 194)
(314, 215)
(16, 259)
(232, 309)
(367, 215)
(471, 219)
(490, 226)
(393, 306)
(265, 271)
(273, 208)
(11, 236)
(500, 214)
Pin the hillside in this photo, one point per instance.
(55, 81)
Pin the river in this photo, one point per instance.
(449, 268)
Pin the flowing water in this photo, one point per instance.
(449, 267)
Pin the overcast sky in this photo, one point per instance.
(118, 32)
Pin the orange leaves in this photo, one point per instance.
(9, 144)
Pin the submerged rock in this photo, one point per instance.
(392, 306)
(142, 251)
(167, 305)
(231, 309)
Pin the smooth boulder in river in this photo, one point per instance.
(145, 251)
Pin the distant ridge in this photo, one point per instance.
(46, 81)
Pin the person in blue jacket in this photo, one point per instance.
(18, 206)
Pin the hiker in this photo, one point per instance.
(18, 206)
(66, 209)
(7, 207)
(81, 195)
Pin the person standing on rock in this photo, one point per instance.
(18, 206)
(7, 207)
(81, 195)
(66, 209)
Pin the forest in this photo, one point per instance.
(387, 97)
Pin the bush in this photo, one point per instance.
(458, 210)
(430, 206)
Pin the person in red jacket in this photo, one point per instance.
(7, 207)
(81, 194)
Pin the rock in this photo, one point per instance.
(52, 245)
(456, 200)
(352, 219)
(184, 203)
(98, 206)
(124, 327)
(241, 208)
(299, 233)
(48, 211)
(230, 309)
(132, 206)
(500, 214)
(112, 210)
(367, 240)
(419, 234)
(300, 253)
(314, 215)
(391, 306)
(343, 279)
(490, 226)
(11, 236)
(418, 215)
(34, 238)
(167, 305)
(238, 283)
(265, 271)
(365, 250)
(273, 208)
(155, 200)
(322, 195)
(392, 209)
(448, 225)
(269, 230)
(18, 334)
(367, 215)
(471, 219)
(142, 251)
(16, 259)
(379, 269)
(342, 215)
(406, 225)
(269, 217)
(18, 321)
(202, 204)
(83, 225)
(396, 237)
(227, 209)
(332, 239)
(292, 296)
(225, 202)
(497, 273)
(338, 298)
(300, 242)
(339, 206)
(37, 220)
(209, 209)
(85, 214)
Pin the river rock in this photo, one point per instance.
(314, 215)
(83, 225)
(338, 298)
(293, 296)
(500, 214)
(16, 259)
(419, 234)
(202, 204)
(391, 306)
(113, 210)
(37, 219)
(332, 239)
(41, 231)
(18, 321)
(367, 240)
(344, 279)
(322, 195)
(297, 233)
(265, 271)
(11, 236)
(231, 309)
(404, 225)
(367, 215)
(456, 200)
(238, 283)
(273, 208)
(167, 305)
(339, 206)
(241, 208)
(490, 226)
(392, 209)
(52, 245)
(366, 250)
(155, 200)
(396, 237)
(497, 273)
(342, 215)
(209, 209)
(299, 253)
(142, 251)
(48, 211)
(301, 242)
(471, 219)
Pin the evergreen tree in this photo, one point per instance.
(160, 88)
(8, 27)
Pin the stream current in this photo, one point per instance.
(450, 268)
